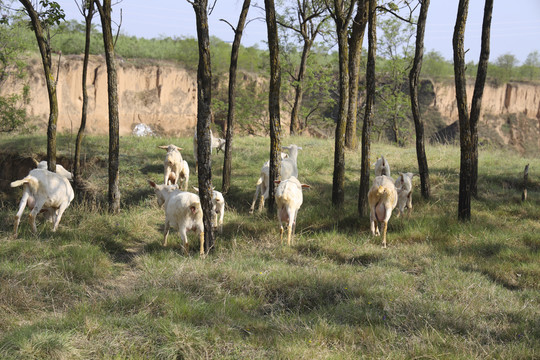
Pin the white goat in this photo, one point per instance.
(404, 190)
(262, 184)
(218, 201)
(163, 192)
(289, 198)
(175, 168)
(382, 167)
(43, 191)
(382, 197)
(182, 212)
(59, 169)
(288, 168)
(184, 176)
(215, 143)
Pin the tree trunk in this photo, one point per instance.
(273, 103)
(479, 91)
(78, 141)
(370, 97)
(298, 88)
(464, 204)
(114, 123)
(204, 117)
(355, 52)
(423, 169)
(342, 15)
(45, 51)
(227, 159)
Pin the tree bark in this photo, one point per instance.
(370, 97)
(355, 52)
(342, 14)
(414, 74)
(227, 159)
(88, 14)
(298, 87)
(114, 122)
(464, 204)
(204, 117)
(479, 91)
(273, 103)
(45, 51)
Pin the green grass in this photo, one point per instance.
(104, 287)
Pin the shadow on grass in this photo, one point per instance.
(314, 250)
(152, 169)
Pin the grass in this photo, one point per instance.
(104, 287)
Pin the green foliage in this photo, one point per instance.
(51, 14)
(530, 69)
(12, 113)
(435, 66)
(392, 105)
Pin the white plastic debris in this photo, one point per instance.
(142, 130)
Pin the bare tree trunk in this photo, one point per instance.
(273, 103)
(370, 97)
(114, 121)
(342, 13)
(413, 85)
(227, 159)
(464, 204)
(355, 52)
(88, 14)
(204, 117)
(468, 133)
(479, 91)
(298, 88)
(45, 51)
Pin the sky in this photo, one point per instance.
(515, 25)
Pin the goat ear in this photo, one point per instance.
(277, 181)
(152, 184)
(162, 146)
(193, 209)
(299, 147)
(306, 186)
(196, 188)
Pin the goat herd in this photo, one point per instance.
(51, 192)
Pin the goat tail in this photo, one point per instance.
(27, 180)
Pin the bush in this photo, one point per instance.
(12, 115)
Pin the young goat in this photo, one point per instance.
(382, 167)
(289, 198)
(262, 185)
(288, 168)
(182, 212)
(43, 191)
(215, 143)
(176, 169)
(60, 170)
(404, 190)
(219, 208)
(382, 197)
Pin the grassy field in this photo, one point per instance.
(104, 287)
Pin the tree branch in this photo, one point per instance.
(228, 23)
(118, 29)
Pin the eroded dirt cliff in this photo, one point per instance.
(164, 96)
(157, 93)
